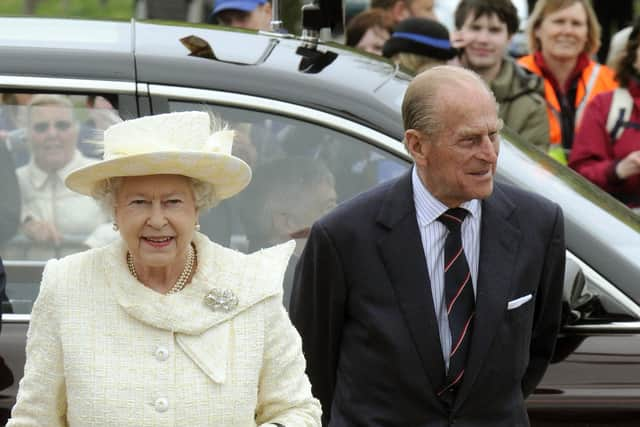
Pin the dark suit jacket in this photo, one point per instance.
(362, 303)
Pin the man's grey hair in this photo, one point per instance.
(422, 104)
(48, 99)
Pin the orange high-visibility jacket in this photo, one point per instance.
(595, 78)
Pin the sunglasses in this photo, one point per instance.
(60, 125)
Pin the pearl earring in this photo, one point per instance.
(115, 226)
(197, 226)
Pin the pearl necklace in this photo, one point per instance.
(184, 276)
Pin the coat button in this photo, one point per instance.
(161, 353)
(162, 404)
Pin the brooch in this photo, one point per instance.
(221, 299)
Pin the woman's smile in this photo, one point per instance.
(158, 242)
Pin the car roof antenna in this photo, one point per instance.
(276, 22)
(312, 22)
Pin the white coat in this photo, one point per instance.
(104, 350)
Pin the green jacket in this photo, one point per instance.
(522, 105)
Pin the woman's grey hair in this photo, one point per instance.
(106, 192)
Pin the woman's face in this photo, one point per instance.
(373, 40)
(156, 215)
(563, 33)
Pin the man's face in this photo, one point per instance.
(486, 40)
(459, 162)
(258, 19)
(373, 40)
(52, 134)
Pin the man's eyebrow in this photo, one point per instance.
(468, 131)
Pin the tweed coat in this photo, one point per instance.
(104, 350)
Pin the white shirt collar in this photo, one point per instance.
(39, 177)
(428, 208)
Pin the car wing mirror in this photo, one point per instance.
(577, 302)
(201, 48)
(314, 61)
(198, 47)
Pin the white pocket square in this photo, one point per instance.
(518, 302)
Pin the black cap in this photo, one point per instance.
(421, 36)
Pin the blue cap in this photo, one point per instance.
(243, 5)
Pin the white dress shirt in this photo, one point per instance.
(46, 198)
(433, 235)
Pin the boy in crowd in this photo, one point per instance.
(484, 30)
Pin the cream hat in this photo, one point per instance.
(174, 143)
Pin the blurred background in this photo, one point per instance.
(196, 11)
(613, 14)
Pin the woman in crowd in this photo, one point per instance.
(563, 34)
(164, 327)
(368, 31)
(606, 149)
(419, 44)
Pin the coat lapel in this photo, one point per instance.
(499, 243)
(403, 257)
(209, 351)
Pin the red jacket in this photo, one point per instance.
(595, 156)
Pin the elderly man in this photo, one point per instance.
(433, 299)
(51, 213)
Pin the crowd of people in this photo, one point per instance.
(557, 97)
(543, 92)
(42, 141)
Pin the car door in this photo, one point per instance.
(95, 105)
(593, 379)
(304, 161)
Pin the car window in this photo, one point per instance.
(43, 137)
(301, 170)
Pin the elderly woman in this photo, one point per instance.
(563, 34)
(164, 327)
(606, 149)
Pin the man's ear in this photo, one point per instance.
(416, 144)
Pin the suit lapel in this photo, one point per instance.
(499, 244)
(403, 257)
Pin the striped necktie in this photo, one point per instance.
(459, 298)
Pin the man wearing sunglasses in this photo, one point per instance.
(52, 215)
